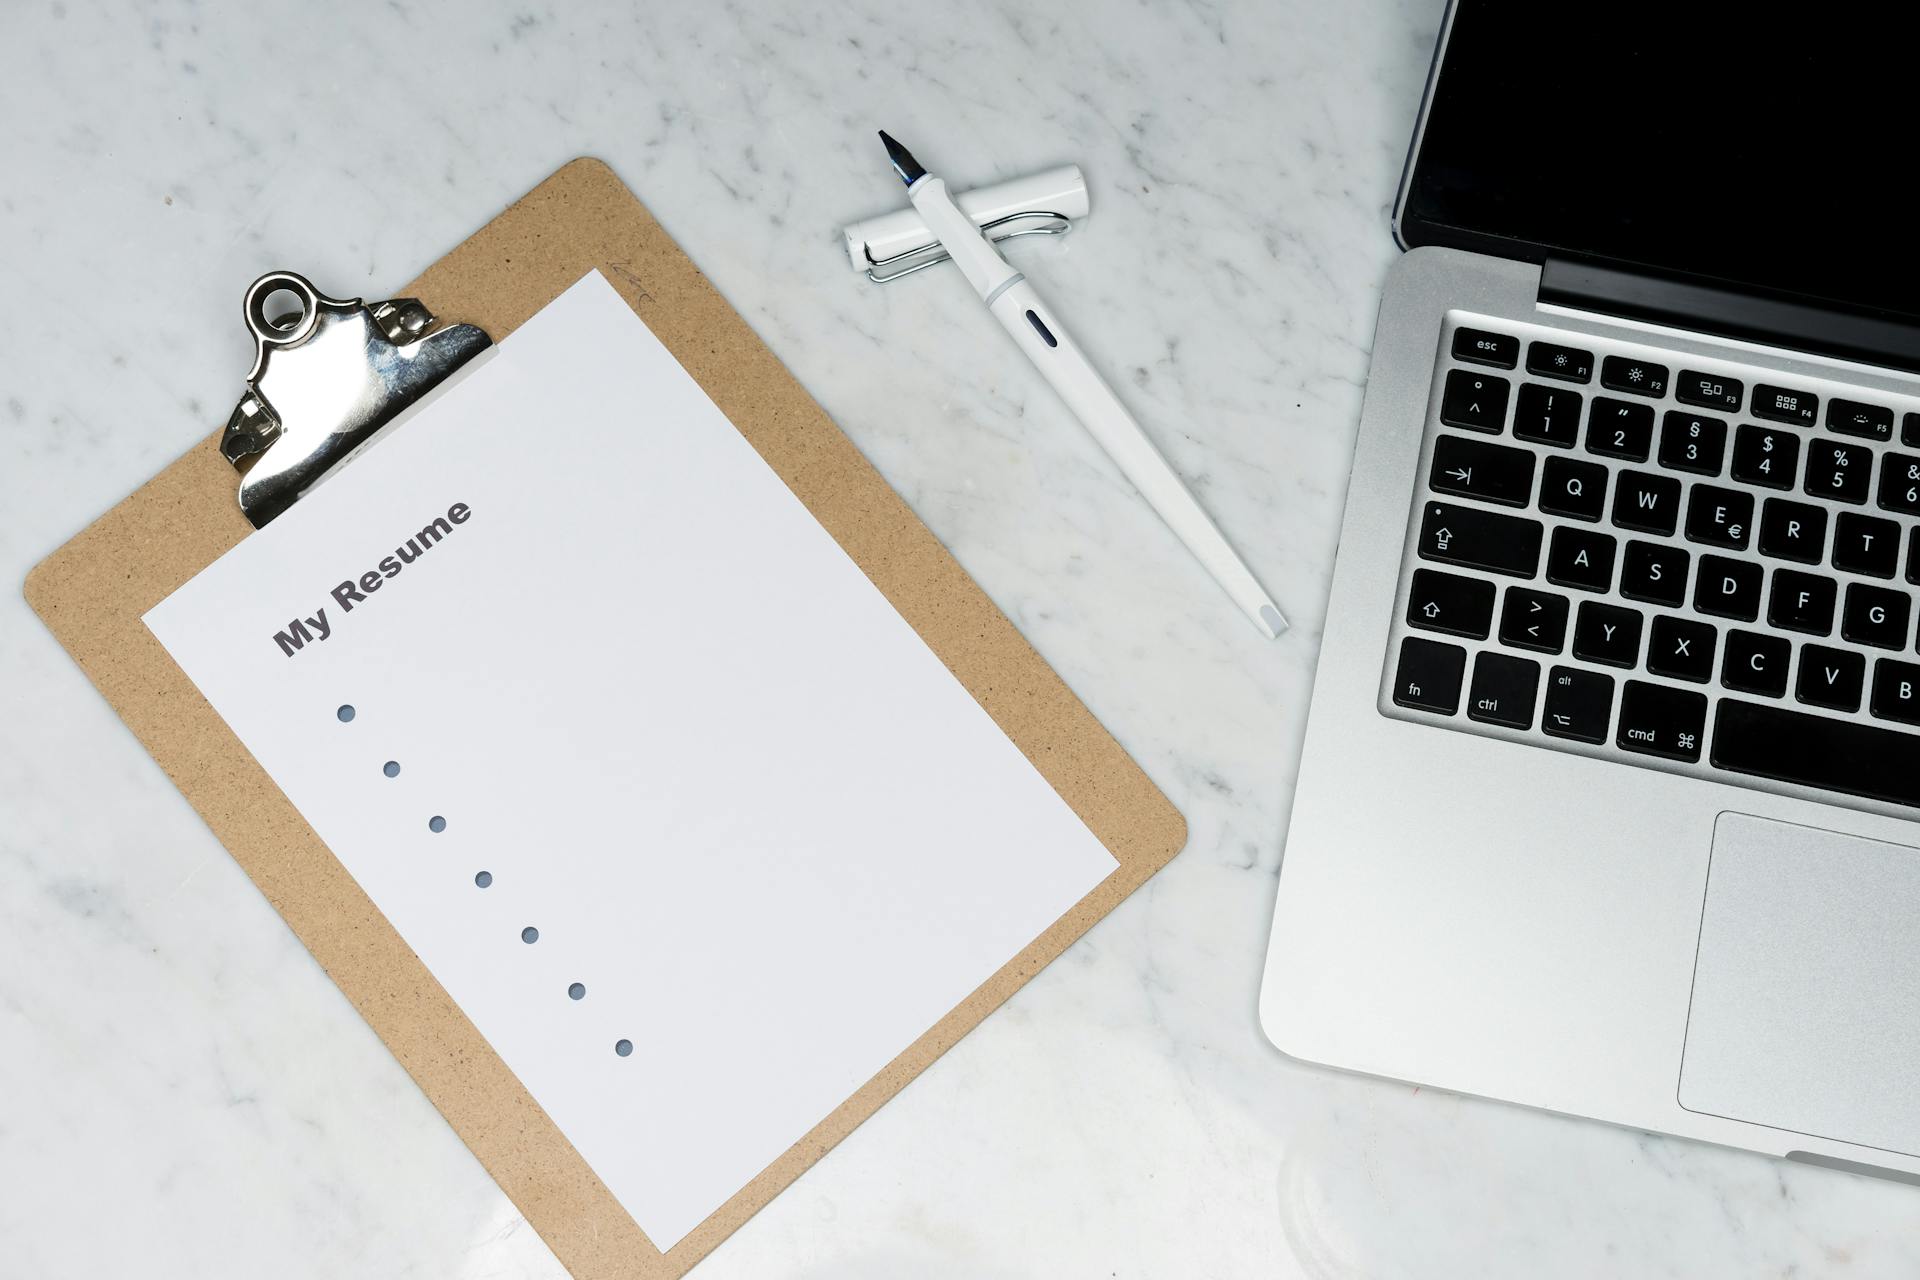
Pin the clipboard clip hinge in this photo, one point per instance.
(328, 375)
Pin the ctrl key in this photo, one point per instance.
(1428, 678)
(1656, 720)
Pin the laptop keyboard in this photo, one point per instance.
(1707, 570)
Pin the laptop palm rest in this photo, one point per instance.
(1806, 994)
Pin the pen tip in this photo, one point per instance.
(902, 160)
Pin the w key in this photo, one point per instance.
(1479, 469)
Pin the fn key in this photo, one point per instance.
(1428, 678)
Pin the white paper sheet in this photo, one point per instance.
(742, 803)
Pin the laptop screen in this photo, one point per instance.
(1769, 147)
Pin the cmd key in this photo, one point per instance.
(1656, 720)
(1477, 539)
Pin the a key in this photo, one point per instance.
(1607, 633)
(1719, 517)
(1579, 704)
(1503, 690)
(1450, 603)
(1556, 361)
(1709, 390)
(1654, 573)
(1480, 539)
(1477, 346)
(1875, 616)
(1756, 663)
(1646, 502)
(1636, 377)
(1428, 677)
(1801, 602)
(1617, 429)
(1830, 678)
(1534, 620)
(1481, 469)
(1817, 751)
(1580, 558)
(1900, 482)
(1681, 648)
(1792, 530)
(1836, 470)
(1866, 544)
(1851, 418)
(1766, 456)
(1727, 588)
(1692, 442)
(1547, 415)
(1657, 720)
(1569, 487)
(1896, 691)
(1783, 404)
(1477, 401)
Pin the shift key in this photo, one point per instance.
(1480, 539)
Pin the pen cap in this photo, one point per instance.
(1061, 191)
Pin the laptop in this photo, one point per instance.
(1610, 783)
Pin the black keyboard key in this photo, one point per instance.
(1767, 456)
(1504, 689)
(1851, 418)
(1836, 470)
(1654, 573)
(1756, 663)
(1727, 588)
(1480, 539)
(1719, 517)
(1579, 704)
(1830, 678)
(1709, 390)
(1608, 634)
(1617, 429)
(1692, 442)
(1477, 346)
(1556, 361)
(1866, 544)
(1481, 469)
(1450, 603)
(1913, 557)
(1646, 502)
(1547, 415)
(1900, 483)
(1783, 404)
(1580, 558)
(1910, 430)
(1793, 530)
(1801, 602)
(1477, 401)
(1534, 620)
(1659, 721)
(1681, 648)
(1428, 677)
(1875, 616)
(1816, 751)
(1639, 377)
(1569, 487)
(1896, 692)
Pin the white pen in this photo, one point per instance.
(1037, 331)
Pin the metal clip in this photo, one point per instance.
(932, 255)
(327, 375)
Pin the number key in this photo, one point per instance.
(1692, 442)
(1547, 415)
(1841, 471)
(1767, 456)
(1617, 429)
(1900, 483)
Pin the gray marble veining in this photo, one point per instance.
(186, 1095)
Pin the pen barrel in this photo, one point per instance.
(1066, 368)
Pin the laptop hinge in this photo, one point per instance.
(1871, 337)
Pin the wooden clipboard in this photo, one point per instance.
(93, 592)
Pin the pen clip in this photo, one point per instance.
(932, 255)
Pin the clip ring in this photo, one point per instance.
(932, 255)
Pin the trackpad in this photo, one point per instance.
(1806, 995)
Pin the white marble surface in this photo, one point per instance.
(184, 1094)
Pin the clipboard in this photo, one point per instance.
(93, 591)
